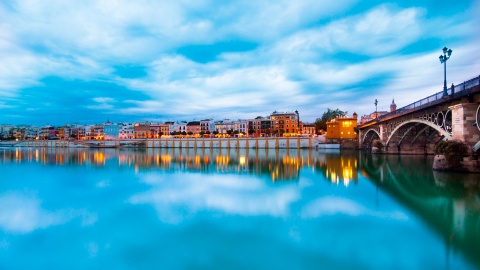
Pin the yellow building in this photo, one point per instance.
(342, 127)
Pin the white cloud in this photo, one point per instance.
(104, 103)
(295, 64)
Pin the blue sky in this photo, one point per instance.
(89, 61)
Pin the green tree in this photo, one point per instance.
(190, 133)
(321, 123)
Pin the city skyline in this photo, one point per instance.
(132, 61)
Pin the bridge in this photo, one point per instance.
(417, 127)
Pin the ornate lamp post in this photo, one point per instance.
(376, 114)
(443, 59)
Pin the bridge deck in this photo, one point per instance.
(461, 90)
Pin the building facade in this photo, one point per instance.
(260, 126)
(342, 127)
(285, 123)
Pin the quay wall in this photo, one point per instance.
(258, 143)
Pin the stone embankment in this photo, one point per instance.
(259, 143)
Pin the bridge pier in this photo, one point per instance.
(464, 123)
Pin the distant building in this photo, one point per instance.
(241, 126)
(206, 124)
(111, 131)
(342, 127)
(194, 127)
(370, 117)
(143, 130)
(260, 126)
(308, 129)
(223, 126)
(126, 131)
(285, 123)
(393, 106)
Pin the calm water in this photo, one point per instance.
(220, 209)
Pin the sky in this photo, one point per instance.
(120, 60)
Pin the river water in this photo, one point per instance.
(233, 209)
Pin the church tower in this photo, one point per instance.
(393, 106)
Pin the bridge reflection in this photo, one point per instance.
(448, 202)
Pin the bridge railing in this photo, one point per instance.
(459, 90)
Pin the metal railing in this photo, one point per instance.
(460, 90)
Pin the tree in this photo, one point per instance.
(160, 134)
(207, 132)
(190, 133)
(321, 123)
(202, 133)
(184, 133)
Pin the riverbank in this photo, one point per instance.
(259, 143)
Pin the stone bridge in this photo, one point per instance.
(417, 127)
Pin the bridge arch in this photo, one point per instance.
(369, 131)
(420, 121)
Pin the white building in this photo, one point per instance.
(126, 131)
(241, 126)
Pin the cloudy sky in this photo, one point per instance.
(89, 61)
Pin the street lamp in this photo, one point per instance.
(443, 59)
(376, 114)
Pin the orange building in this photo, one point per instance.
(286, 124)
(342, 127)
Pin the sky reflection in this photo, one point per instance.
(187, 209)
(186, 194)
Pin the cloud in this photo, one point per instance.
(190, 58)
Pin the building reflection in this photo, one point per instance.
(340, 169)
(275, 164)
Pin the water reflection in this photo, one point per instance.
(309, 204)
(448, 202)
(276, 164)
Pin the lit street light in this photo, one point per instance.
(443, 60)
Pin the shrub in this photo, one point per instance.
(454, 151)
(378, 144)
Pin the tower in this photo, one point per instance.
(393, 106)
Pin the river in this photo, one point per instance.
(233, 209)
